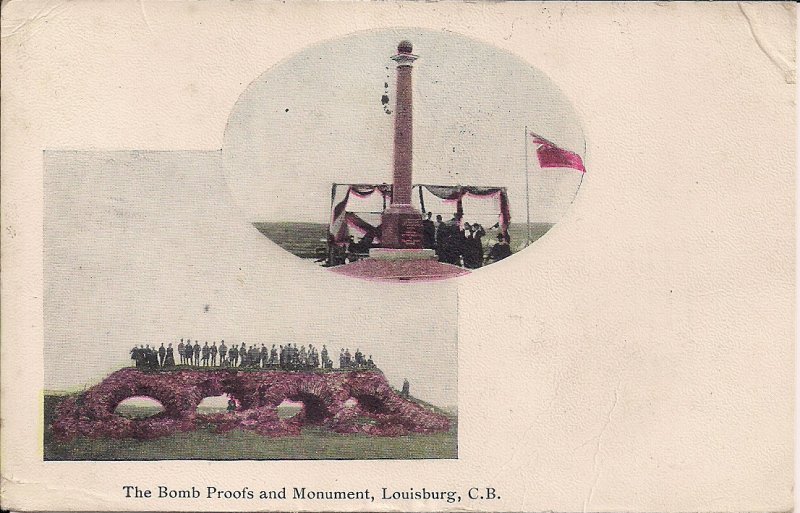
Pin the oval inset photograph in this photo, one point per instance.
(403, 154)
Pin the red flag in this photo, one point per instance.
(551, 155)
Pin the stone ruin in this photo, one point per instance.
(377, 410)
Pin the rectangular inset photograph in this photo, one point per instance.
(170, 336)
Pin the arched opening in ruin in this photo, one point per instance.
(214, 404)
(288, 409)
(139, 407)
(313, 408)
(371, 404)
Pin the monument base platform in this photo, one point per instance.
(400, 270)
(402, 254)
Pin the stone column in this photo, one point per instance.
(401, 223)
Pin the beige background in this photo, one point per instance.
(640, 355)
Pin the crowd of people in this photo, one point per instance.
(284, 357)
(461, 243)
(455, 242)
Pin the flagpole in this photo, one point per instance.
(527, 190)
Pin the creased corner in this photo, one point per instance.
(786, 65)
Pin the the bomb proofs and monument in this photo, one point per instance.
(401, 255)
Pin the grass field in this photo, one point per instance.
(303, 239)
(202, 444)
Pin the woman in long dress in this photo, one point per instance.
(169, 360)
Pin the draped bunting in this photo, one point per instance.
(457, 192)
(341, 220)
(361, 225)
(364, 190)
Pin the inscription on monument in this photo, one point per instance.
(411, 232)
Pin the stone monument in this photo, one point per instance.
(401, 223)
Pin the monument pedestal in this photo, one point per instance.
(401, 227)
(402, 254)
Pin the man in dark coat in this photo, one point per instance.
(473, 245)
(253, 356)
(451, 239)
(234, 355)
(264, 355)
(206, 354)
(273, 356)
(223, 353)
(324, 356)
(243, 354)
(151, 358)
(428, 232)
(188, 352)
(500, 250)
(437, 231)
(162, 353)
(213, 351)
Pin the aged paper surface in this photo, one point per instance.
(638, 357)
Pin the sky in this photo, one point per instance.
(148, 247)
(317, 118)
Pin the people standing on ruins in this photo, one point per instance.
(315, 358)
(196, 352)
(169, 360)
(234, 355)
(324, 356)
(223, 353)
(244, 356)
(188, 352)
(206, 352)
(286, 357)
(213, 350)
(253, 356)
